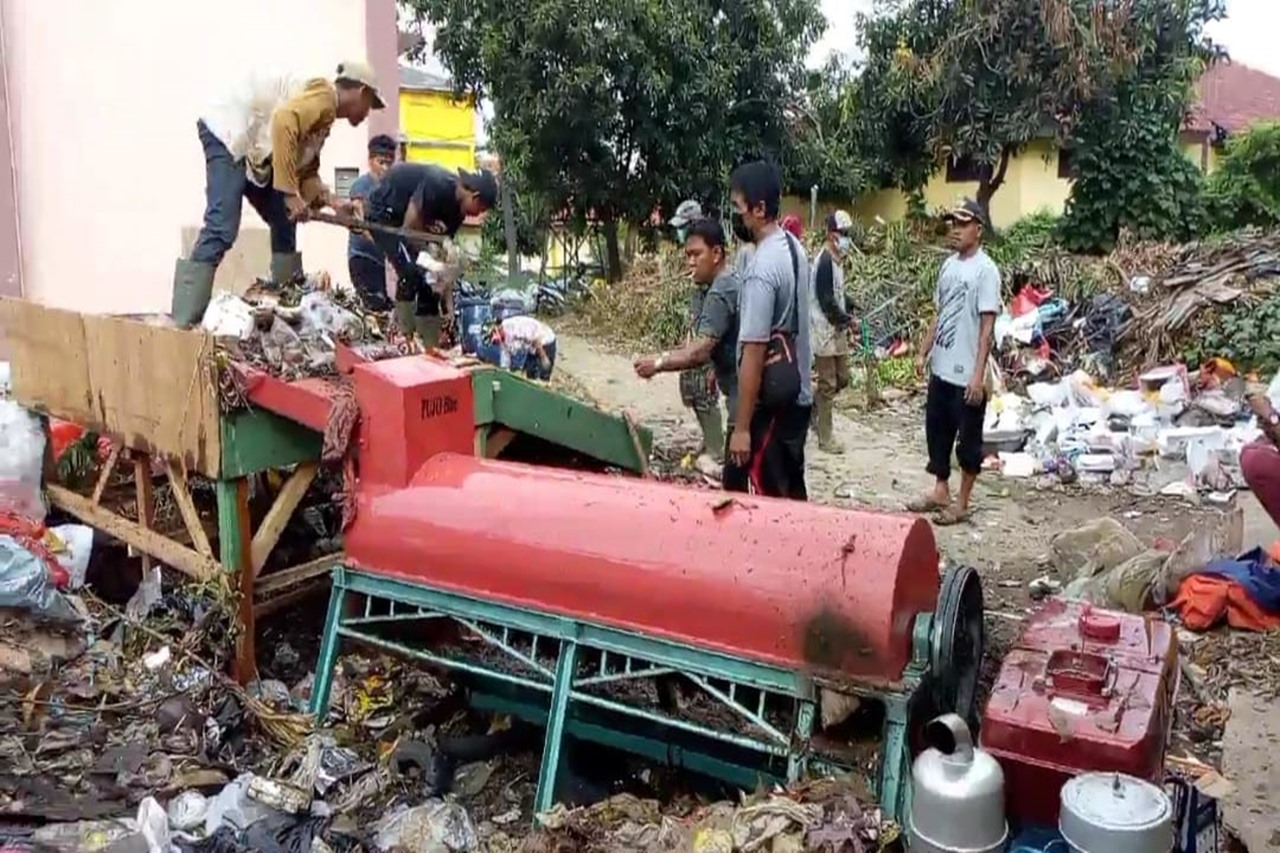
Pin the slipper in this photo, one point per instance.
(951, 516)
(925, 504)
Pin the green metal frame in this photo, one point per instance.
(550, 664)
(504, 399)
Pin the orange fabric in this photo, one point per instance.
(1273, 551)
(1205, 600)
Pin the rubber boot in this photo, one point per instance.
(285, 268)
(192, 290)
(428, 327)
(404, 317)
(826, 441)
(712, 433)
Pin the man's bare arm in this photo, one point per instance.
(750, 376)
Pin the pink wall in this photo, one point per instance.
(102, 100)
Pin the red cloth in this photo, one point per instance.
(791, 223)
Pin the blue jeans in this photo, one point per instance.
(226, 184)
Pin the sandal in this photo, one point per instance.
(952, 515)
(925, 504)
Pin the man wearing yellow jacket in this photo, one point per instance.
(262, 143)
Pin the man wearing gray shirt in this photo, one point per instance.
(766, 448)
(956, 349)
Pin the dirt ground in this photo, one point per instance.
(884, 467)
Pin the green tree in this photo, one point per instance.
(1128, 168)
(612, 108)
(1245, 188)
(822, 146)
(977, 80)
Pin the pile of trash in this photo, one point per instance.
(823, 815)
(292, 332)
(1174, 434)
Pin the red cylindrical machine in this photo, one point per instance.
(793, 584)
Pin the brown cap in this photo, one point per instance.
(362, 73)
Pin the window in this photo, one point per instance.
(965, 170)
(343, 178)
(1065, 160)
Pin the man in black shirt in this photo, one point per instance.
(428, 198)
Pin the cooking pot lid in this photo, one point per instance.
(1116, 801)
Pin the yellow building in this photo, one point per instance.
(1230, 97)
(435, 126)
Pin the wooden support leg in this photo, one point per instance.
(145, 491)
(237, 561)
(291, 494)
(190, 515)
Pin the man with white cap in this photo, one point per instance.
(830, 325)
(262, 142)
(687, 213)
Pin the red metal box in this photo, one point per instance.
(1082, 689)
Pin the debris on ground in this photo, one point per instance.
(824, 815)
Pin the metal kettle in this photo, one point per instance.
(957, 794)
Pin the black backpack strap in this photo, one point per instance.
(795, 282)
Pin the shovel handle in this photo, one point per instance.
(353, 224)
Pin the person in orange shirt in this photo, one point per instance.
(262, 142)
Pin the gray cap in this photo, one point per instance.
(688, 211)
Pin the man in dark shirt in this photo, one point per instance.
(715, 335)
(830, 325)
(428, 198)
(365, 264)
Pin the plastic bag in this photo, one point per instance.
(21, 462)
(25, 584)
(187, 811)
(426, 827)
(73, 546)
(228, 316)
(321, 315)
(153, 823)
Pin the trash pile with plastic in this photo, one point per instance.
(1173, 433)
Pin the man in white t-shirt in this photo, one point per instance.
(525, 344)
(955, 353)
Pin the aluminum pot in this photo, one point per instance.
(1115, 813)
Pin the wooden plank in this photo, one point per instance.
(104, 476)
(285, 578)
(145, 490)
(163, 549)
(186, 506)
(268, 534)
(142, 384)
(497, 441)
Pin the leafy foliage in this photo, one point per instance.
(1245, 188)
(610, 108)
(1129, 168)
(1245, 334)
(977, 80)
(822, 147)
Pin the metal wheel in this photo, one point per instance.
(959, 635)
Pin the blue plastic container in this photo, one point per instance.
(503, 309)
(1039, 840)
(472, 316)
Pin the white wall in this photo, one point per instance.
(105, 95)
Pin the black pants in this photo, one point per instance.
(411, 281)
(369, 278)
(776, 465)
(951, 423)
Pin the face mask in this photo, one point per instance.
(843, 244)
(740, 229)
